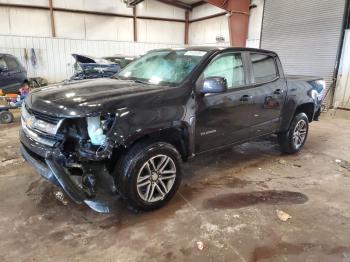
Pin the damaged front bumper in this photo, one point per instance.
(48, 162)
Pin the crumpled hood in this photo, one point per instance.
(89, 97)
(84, 59)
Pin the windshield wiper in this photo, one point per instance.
(140, 81)
(134, 80)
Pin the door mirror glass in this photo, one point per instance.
(214, 85)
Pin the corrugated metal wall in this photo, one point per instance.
(30, 22)
(54, 60)
(342, 91)
(305, 34)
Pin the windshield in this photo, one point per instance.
(169, 67)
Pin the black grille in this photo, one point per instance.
(58, 136)
(44, 117)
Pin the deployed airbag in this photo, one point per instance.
(95, 131)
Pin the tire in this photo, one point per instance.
(140, 176)
(6, 117)
(294, 139)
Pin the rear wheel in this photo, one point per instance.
(149, 175)
(6, 117)
(294, 139)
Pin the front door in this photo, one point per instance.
(224, 118)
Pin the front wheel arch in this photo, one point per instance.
(176, 136)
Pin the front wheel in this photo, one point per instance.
(149, 175)
(294, 139)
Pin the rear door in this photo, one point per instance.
(270, 90)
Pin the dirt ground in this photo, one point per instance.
(225, 209)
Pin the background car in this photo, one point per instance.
(87, 67)
(12, 74)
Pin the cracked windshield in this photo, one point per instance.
(170, 67)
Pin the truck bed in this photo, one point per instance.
(302, 78)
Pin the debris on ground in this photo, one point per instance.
(283, 216)
(236, 228)
(60, 197)
(200, 245)
(5, 162)
(8, 159)
(282, 162)
(210, 228)
(343, 164)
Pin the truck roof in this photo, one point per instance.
(4, 54)
(218, 48)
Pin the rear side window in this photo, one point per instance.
(230, 67)
(264, 68)
(11, 63)
(3, 63)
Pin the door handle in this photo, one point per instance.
(278, 92)
(246, 98)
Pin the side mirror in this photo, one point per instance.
(214, 85)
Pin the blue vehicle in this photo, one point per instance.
(87, 67)
(12, 74)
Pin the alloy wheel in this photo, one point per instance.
(156, 178)
(299, 133)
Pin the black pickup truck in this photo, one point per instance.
(128, 135)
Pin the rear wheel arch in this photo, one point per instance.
(293, 140)
(308, 109)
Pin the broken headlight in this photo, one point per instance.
(97, 127)
(31, 122)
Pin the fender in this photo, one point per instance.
(299, 93)
(132, 125)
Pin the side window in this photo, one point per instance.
(228, 66)
(3, 63)
(264, 68)
(11, 62)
